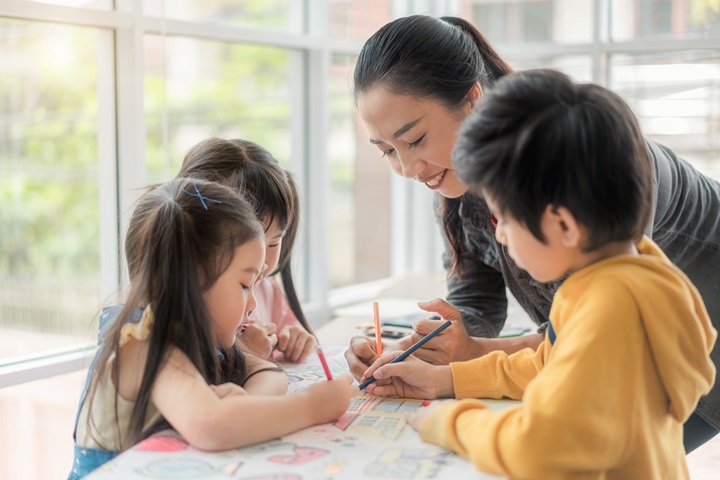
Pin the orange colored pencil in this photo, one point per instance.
(378, 336)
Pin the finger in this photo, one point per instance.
(382, 390)
(423, 327)
(309, 347)
(295, 348)
(429, 355)
(271, 328)
(388, 370)
(441, 307)
(359, 355)
(286, 341)
(384, 360)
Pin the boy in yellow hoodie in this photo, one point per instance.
(567, 174)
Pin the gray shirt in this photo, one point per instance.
(686, 225)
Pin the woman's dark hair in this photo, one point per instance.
(182, 236)
(539, 139)
(436, 58)
(251, 170)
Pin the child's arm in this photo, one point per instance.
(264, 377)
(212, 423)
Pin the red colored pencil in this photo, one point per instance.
(321, 356)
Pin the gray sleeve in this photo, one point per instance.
(479, 293)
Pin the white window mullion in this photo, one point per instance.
(131, 168)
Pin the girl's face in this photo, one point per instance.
(273, 243)
(416, 136)
(231, 297)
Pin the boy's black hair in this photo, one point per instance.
(538, 139)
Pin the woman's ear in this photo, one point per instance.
(564, 226)
(474, 94)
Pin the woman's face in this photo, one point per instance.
(416, 136)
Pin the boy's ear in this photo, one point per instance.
(564, 226)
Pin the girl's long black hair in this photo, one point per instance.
(182, 236)
(257, 175)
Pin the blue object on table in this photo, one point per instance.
(410, 350)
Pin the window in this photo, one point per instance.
(50, 185)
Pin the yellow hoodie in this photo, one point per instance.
(608, 398)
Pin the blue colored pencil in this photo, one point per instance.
(410, 350)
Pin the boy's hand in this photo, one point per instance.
(411, 378)
(295, 342)
(259, 339)
(328, 400)
(416, 418)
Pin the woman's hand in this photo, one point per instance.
(452, 344)
(361, 353)
(259, 339)
(411, 378)
(328, 400)
(295, 342)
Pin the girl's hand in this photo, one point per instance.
(411, 378)
(259, 339)
(328, 400)
(295, 342)
(452, 344)
(416, 418)
(361, 353)
(227, 389)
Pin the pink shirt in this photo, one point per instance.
(272, 304)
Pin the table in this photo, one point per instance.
(371, 440)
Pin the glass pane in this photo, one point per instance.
(531, 21)
(357, 19)
(285, 15)
(579, 67)
(210, 89)
(36, 427)
(664, 18)
(676, 98)
(359, 237)
(49, 205)
(98, 4)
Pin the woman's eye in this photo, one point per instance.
(274, 245)
(387, 152)
(416, 142)
(244, 287)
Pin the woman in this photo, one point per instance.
(415, 81)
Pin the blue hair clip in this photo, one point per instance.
(200, 196)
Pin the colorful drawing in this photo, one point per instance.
(300, 455)
(175, 467)
(371, 440)
(408, 463)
